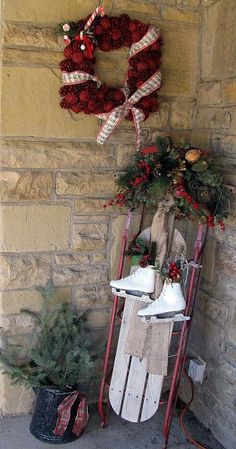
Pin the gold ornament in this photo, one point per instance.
(202, 219)
(193, 156)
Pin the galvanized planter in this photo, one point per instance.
(45, 416)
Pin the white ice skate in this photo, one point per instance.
(142, 280)
(170, 303)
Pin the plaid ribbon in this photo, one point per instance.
(113, 118)
(148, 39)
(64, 413)
(78, 77)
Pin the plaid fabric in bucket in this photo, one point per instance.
(64, 413)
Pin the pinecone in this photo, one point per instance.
(67, 65)
(182, 152)
(193, 186)
(204, 195)
(64, 104)
(64, 90)
(87, 66)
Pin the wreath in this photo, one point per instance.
(190, 174)
(84, 92)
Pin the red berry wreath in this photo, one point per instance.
(83, 92)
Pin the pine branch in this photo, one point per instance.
(58, 355)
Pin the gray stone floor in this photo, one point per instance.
(14, 434)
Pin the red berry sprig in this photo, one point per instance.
(174, 272)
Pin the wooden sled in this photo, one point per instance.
(134, 394)
(122, 386)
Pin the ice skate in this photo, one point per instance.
(140, 282)
(170, 303)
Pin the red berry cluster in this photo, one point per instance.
(110, 33)
(119, 200)
(145, 261)
(142, 176)
(211, 222)
(174, 272)
(180, 192)
(146, 170)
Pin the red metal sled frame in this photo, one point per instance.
(183, 334)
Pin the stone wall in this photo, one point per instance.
(55, 179)
(213, 334)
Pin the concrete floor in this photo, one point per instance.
(14, 434)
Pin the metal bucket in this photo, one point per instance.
(44, 416)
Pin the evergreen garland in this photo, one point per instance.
(189, 174)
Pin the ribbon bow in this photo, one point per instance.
(113, 118)
(64, 413)
(186, 267)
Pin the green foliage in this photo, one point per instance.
(142, 253)
(196, 185)
(137, 247)
(57, 350)
(143, 181)
(158, 188)
(200, 166)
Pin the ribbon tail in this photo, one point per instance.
(113, 120)
(64, 412)
(82, 417)
(138, 117)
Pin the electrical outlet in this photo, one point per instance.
(196, 369)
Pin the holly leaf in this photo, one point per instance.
(174, 154)
(200, 166)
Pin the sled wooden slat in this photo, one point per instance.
(152, 396)
(121, 364)
(133, 397)
(134, 394)
(153, 392)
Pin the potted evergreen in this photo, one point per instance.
(55, 361)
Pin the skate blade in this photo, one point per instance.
(154, 319)
(165, 315)
(136, 295)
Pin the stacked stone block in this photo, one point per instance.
(213, 334)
